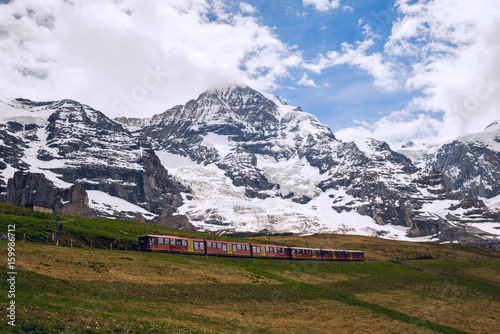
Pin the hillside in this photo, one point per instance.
(82, 290)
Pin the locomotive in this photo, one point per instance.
(171, 244)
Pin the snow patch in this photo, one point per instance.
(110, 205)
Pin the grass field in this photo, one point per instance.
(98, 290)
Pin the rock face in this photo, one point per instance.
(472, 167)
(73, 143)
(175, 221)
(34, 189)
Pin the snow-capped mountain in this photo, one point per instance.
(70, 143)
(471, 163)
(243, 160)
(253, 163)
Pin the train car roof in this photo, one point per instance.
(305, 248)
(341, 250)
(170, 236)
(229, 242)
(277, 246)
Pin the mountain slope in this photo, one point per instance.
(255, 163)
(243, 160)
(72, 143)
(472, 162)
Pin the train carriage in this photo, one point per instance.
(333, 255)
(301, 253)
(270, 251)
(226, 248)
(353, 255)
(163, 243)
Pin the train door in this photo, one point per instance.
(229, 249)
(263, 250)
(190, 246)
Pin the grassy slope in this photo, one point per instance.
(83, 290)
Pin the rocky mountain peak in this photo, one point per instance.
(248, 162)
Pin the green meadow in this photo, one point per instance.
(96, 281)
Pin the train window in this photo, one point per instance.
(238, 247)
(202, 246)
(235, 248)
(224, 247)
(267, 249)
(152, 241)
(196, 245)
(184, 242)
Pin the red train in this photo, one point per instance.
(164, 243)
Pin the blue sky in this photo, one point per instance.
(350, 93)
(422, 70)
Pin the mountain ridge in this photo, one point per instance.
(237, 159)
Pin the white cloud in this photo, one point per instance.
(384, 72)
(305, 81)
(456, 47)
(136, 57)
(396, 129)
(450, 50)
(322, 5)
(347, 9)
(246, 8)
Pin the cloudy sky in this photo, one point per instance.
(392, 70)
